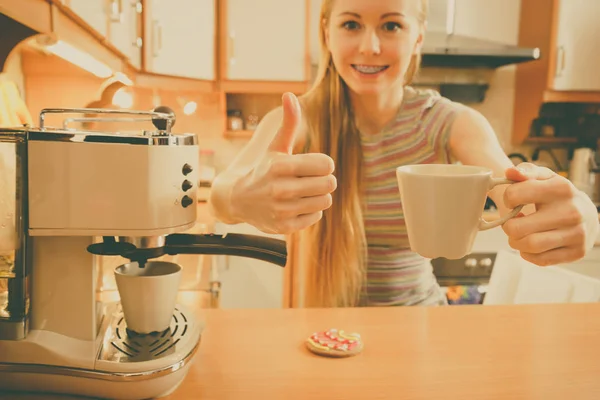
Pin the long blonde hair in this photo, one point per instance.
(333, 251)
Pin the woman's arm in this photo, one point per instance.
(561, 222)
(473, 142)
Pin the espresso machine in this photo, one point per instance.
(68, 195)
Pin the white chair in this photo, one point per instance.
(516, 281)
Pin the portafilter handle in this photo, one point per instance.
(233, 244)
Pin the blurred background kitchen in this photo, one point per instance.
(530, 66)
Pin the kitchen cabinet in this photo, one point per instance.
(261, 48)
(568, 36)
(314, 45)
(180, 38)
(496, 21)
(484, 20)
(93, 12)
(125, 29)
(437, 16)
(578, 39)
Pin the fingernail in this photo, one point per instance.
(519, 215)
(522, 170)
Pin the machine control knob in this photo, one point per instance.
(485, 262)
(186, 201)
(470, 262)
(186, 185)
(187, 169)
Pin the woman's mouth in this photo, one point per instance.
(369, 69)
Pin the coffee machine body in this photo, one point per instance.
(70, 188)
(62, 192)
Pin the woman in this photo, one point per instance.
(323, 168)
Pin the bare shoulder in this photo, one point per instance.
(470, 125)
(474, 142)
(470, 116)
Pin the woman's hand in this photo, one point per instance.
(285, 192)
(564, 225)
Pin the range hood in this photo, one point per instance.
(447, 45)
(442, 49)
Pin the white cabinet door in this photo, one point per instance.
(183, 38)
(437, 19)
(315, 13)
(496, 21)
(266, 40)
(578, 46)
(124, 22)
(93, 12)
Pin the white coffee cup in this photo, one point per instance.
(443, 206)
(148, 295)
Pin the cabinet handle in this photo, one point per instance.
(232, 48)
(137, 9)
(156, 38)
(137, 6)
(138, 42)
(560, 61)
(116, 11)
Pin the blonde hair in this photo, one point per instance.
(333, 251)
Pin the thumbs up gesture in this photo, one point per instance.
(285, 192)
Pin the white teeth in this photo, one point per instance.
(369, 69)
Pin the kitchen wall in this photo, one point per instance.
(13, 70)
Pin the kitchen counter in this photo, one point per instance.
(481, 352)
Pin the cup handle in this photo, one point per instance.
(485, 225)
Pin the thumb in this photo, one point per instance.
(284, 139)
(525, 171)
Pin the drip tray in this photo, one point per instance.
(123, 345)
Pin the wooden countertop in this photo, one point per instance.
(529, 352)
(480, 352)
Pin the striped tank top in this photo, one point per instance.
(418, 135)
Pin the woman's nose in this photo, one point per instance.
(369, 43)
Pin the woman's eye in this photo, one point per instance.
(351, 25)
(391, 26)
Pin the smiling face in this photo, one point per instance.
(372, 42)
